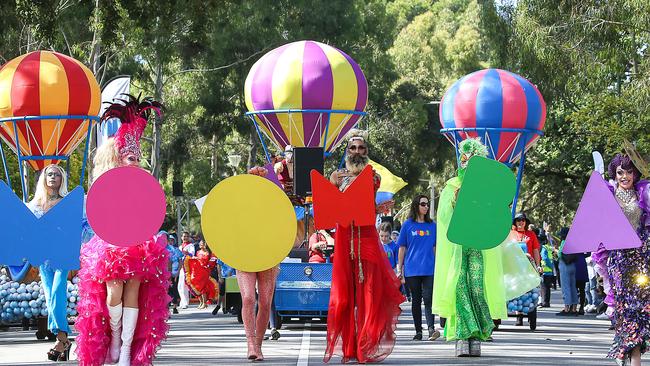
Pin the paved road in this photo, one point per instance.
(198, 338)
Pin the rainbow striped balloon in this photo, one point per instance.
(44, 83)
(495, 99)
(306, 75)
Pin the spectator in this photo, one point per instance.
(416, 260)
(568, 278)
(188, 250)
(593, 299)
(581, 280)
(529, 243)
(547, 267)
(526, 237)
(390, 247)
(225, 271)
(394, 235)
(175, 264)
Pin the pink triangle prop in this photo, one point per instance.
(599, 219)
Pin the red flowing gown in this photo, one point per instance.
(365, 298)
(197, 274)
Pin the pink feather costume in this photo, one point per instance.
(102, 262)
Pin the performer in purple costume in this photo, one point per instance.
(629, 268)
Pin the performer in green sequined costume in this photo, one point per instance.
(468, 283)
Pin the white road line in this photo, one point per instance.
(303, 356)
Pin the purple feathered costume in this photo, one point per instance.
(630, 294)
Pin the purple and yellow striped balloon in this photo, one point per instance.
(306, 75)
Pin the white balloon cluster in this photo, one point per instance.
(19, 300)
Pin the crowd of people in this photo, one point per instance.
(126, 294)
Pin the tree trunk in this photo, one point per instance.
(157, 125)
(214, 160)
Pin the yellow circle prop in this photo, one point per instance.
(249, 223)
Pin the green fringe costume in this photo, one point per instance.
(468, 283)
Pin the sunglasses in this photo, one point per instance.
(424, 204)
(357, 147)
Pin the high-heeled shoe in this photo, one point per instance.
(54, 355)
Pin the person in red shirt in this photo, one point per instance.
(318, 243)
(521, 233)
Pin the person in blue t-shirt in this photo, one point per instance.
(175, 263)
(416, 260)
(390, 247)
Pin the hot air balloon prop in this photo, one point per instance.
(48, 104)
(502, 108)
(305, 94)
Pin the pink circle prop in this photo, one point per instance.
(126, 206)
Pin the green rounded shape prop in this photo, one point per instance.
(482, 218)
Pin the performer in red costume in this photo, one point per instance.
(197, 273)
(365, 294)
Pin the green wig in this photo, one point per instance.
(473, 146)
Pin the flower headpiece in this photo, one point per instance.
(133, 115)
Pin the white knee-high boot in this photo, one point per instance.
(129, 322)
(115, 314)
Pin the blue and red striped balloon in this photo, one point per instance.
(497, 100)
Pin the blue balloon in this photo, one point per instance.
(15, 285)
(535, 296)
(17, 311)
(44, 312)
(525, 309)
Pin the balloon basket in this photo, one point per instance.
(303, 127)
(43, 140)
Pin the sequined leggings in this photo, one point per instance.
(256, 327)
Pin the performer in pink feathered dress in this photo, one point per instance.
(122, 290)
